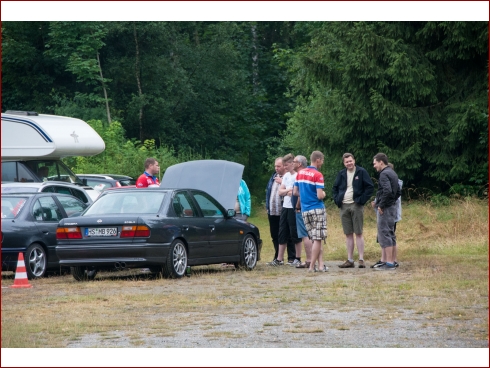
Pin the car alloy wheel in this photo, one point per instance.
(248, 256)
(35, 261)
(176, 260)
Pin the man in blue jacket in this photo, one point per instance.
(352, 189)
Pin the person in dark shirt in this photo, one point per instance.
(388, 193)
(352, 189)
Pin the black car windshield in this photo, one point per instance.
(11, 206)
(135, 201)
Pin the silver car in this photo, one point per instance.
(85, 193)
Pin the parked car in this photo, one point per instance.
(29, 223)
(162, 229)
(103, 181)
(85, 193)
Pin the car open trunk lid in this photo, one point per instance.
(219, 178)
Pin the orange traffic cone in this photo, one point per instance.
(20, 274)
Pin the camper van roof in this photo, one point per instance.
(28, 135)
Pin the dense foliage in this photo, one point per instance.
(251, 91)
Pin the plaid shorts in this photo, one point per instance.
(316, 223)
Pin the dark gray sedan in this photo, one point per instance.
(29, 223)
(163, 229)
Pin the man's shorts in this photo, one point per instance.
(287, 226)
(300, 226)
(386, 227)
(316, 223)
(352, 218)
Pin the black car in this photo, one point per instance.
(163, 229)
(103, 181)
(29, 223)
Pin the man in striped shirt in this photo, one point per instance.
(309, 186)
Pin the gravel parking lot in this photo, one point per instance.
(286, 319)
(279, 308)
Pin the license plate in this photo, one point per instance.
(101, 231)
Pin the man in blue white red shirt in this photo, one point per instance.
(149, 178)
(309, 185)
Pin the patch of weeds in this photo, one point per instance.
(164, 334)
(138, 342)
(226, 334)
(270, 324)
(304, 330)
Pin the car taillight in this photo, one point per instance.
(68, 233)
(135, 231)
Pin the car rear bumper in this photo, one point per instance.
(113, 255)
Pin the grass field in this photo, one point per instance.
(442, 283)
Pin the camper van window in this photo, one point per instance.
(9, 171)
(56, 170)
(24, 175)
(12, 172)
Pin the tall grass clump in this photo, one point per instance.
(460, 227)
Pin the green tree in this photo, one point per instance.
(417, 91)
(77, 46)
(27, 75)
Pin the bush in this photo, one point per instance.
(125, 156)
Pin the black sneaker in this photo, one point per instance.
(378, 264)
(396, 264)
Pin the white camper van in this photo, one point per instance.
(33, 145)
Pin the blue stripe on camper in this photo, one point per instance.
(33, 125)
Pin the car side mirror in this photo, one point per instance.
(231, 213)
(84, 181)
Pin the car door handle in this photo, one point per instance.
(45, 232)
(185, 227)
(211, 227)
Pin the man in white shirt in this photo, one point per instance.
(287, 221)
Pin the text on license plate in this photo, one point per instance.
(101, 231)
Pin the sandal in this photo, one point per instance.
(304, 265)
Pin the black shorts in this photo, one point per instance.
(287, 226)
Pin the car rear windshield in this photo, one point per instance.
(136, 201)
(11, 206)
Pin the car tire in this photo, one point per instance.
(83, 273)
(248, 253)
(176, 262)
(35, 261)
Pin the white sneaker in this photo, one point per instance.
(295, 263)
(325, 269)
